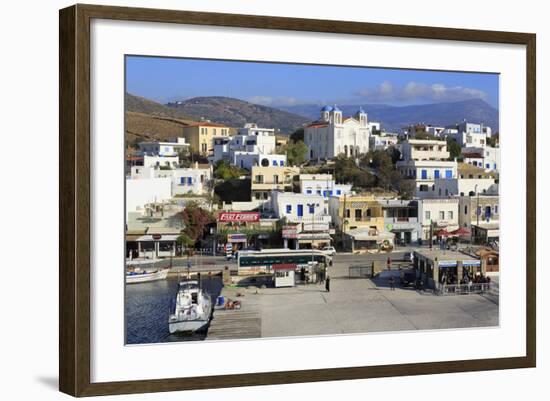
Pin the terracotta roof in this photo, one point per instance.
(472, 155)
(317, 124)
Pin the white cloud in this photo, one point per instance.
(418, 92)
(275, 101)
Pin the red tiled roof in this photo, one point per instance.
(317, 125)
(472, 155)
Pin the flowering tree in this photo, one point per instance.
(195, 220)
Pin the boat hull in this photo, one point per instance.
(188, 326)
(147, 277)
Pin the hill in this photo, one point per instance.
(394, 118)
(146, 127)
(235, 113)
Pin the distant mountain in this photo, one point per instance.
(235, 113)
(394, 118)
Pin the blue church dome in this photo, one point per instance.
(326, 108)
(335, 108)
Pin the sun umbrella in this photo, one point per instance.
(442, 233)
(460, 231)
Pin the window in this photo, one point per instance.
(446, 192)
(308, 191)
(369, 213)
(358, 214)
(189, 180)
(465, 209)
(441, 215)
(439, 191)
(348, 213)
(450, 215)
(436, 174)
(424, 174)
(300, 210)
(338, 192)
(275, 163)
(281, 163)
(289, 209)
(448, 174)
(496, 209)
(276, 179)
(259, 179)
(182, 180)
(427, 215)
(311, 208)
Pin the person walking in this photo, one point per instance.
(388, 263)
(392, 283)
(327, 284)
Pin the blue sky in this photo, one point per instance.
(273, 84)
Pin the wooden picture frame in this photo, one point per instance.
(74, 199)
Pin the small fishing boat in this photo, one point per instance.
(144, 276)
(192, 310)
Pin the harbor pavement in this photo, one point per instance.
(359, 306)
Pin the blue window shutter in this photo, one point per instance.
(182, 180)
(338, 192)
(300, 210)
(190, 180)
(281, 163)
(288, 208)
(436, 173)
(449, 174)
(424, 174)
(308, 192)
(311, 209)
(275, 162)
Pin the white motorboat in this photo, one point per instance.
(192, 310)
(143, 276)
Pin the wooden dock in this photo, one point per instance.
(236, 323)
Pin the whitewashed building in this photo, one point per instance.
(425, 161)
(382, 141)
(487, 158)
(251, 140)
(247, 160)
(322, 184)
(334, 135)
(184, 181)
(470, 181)
(471, 134)
(436, 214)
(146, 190)
(156, 148)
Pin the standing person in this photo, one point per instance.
(327, 284)
(392, 283)
(388, 263)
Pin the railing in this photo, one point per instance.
(401, 219)
(463, 289)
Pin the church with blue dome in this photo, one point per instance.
(333, 134)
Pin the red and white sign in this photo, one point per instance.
(241, 217)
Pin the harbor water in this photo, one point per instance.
(147, 309)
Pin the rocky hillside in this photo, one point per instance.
(236, 113)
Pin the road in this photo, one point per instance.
(341, 262)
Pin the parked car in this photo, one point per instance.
(329, 250)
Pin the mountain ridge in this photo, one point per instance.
(396, 117)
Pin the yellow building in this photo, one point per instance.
(267, 179)
(200, 136)
(357, 211)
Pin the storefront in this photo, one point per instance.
(153, 246)
(485, 233)
(435, 267)
(368, 240)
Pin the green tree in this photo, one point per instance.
(454, 149)
(297, 135)
(296, 153)
(225, 171)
